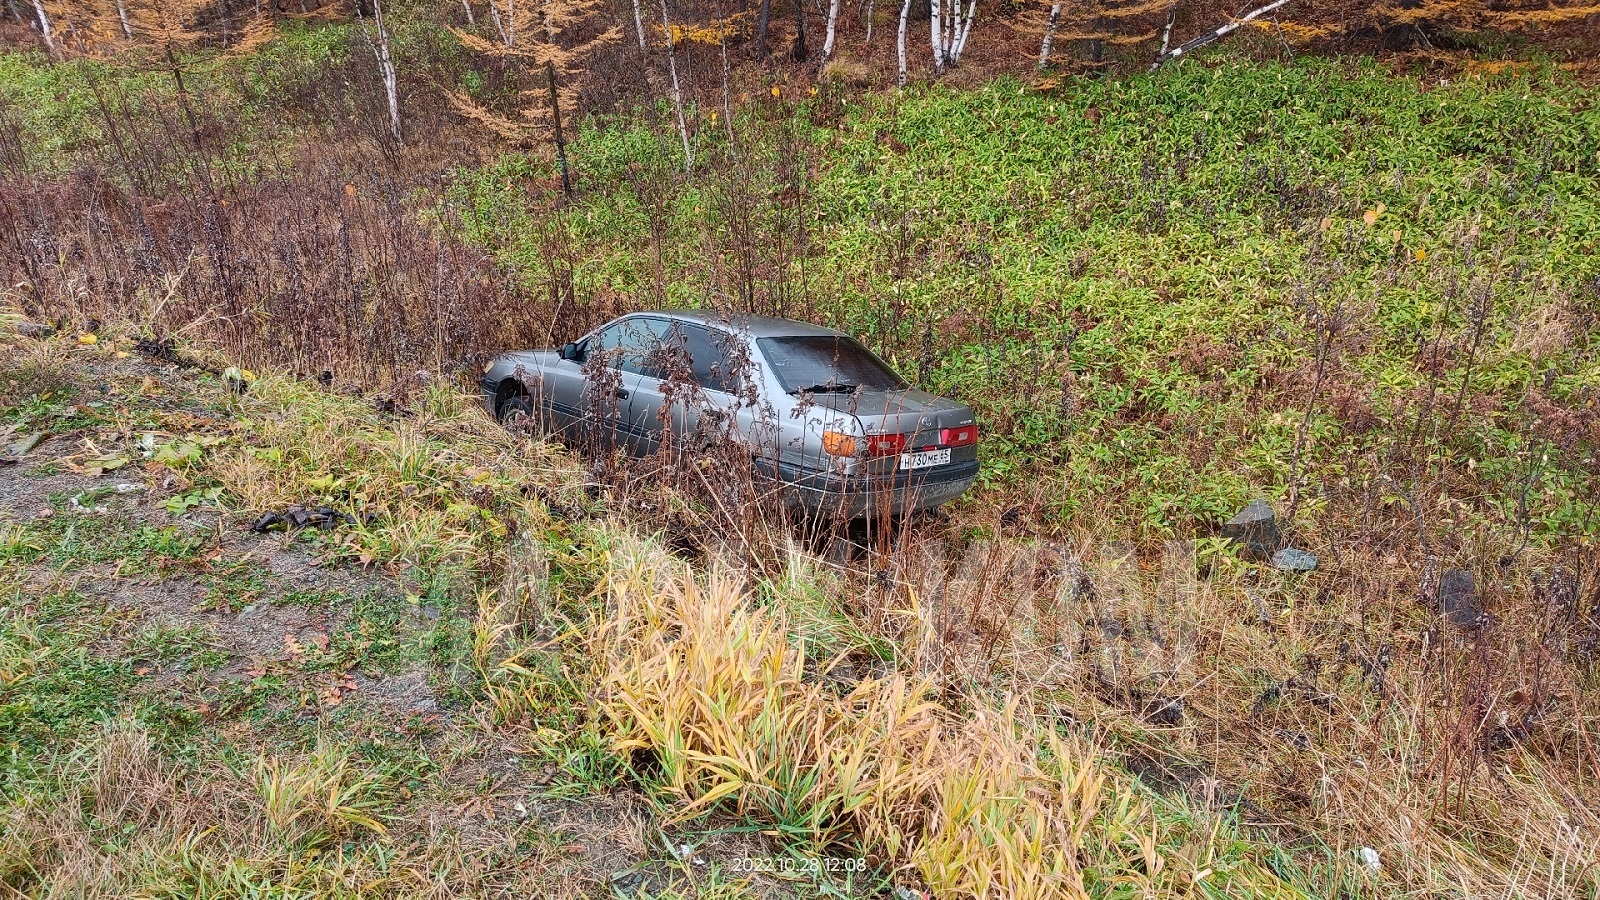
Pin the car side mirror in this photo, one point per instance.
(572, 351)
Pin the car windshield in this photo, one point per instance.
(826, 363)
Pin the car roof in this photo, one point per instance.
(755, 326)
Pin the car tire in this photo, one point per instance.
(518, 414)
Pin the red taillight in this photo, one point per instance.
(958, 437)
(885, 444)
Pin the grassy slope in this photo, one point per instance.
(1161, 239)
(969, 235)
(148, 694)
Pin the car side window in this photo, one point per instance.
(627, 345)
(712, 358)
(693, 354)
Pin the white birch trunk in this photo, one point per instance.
(833, 24)
(936, 31)
(965, 29)
(391, 79)
(44, 27)
(1166, 33)
(677, 90)
(471, 19)
(385, 60)
(638, 23)
(122, 18)
(1049, 35)
(1217, 33)
(867, 41)
(905, 17)
(507, 24)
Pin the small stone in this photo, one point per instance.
(25, 444)
(1458, 600)
(1293, 559)
(1254, 529)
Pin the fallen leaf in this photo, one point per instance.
(320, 641)
(292, 646)
(88, 339)
(100, 465)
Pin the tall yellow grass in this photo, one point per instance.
(976, 802)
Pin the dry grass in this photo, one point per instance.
(954, 712)
(1339, 704)
(717, 701)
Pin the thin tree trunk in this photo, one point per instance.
(677, 90)
(867, 41)
(561, 140)
(763, 19)
(800, 50)
(638, 24)
(122, 17)
(1049, 36)
(727, 88)
(936, 33)
(380, 52)
(507, 24)
(833, 25)
(905, 16)
(1166, 33)
(44, 28)
(471, 19)
(964, 29)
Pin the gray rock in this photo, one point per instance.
(25, 444)
(1458, 600)
(1293, 559)
(1255, 530)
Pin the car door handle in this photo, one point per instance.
(622, 394)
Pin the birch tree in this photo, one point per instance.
(1049, 35)
(385, 60)
(638, 25)
(1221, 31)
(900, 42)
(948, 28)
(677, 89)
(833, 24)
(46, 32)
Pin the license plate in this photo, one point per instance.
(924, 459)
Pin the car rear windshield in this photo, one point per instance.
(823, 362)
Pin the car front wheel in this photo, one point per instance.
(517, 413)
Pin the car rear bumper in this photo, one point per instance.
(847, 497)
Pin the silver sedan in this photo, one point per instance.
(843, 433)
